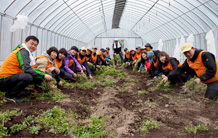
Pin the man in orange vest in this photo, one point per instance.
(204, 65)
(148, 47)
(16, 72)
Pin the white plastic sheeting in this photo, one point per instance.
(190, 39)
(211, 42)
(177, 51)
(160, 45)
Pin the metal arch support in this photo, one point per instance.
(145, 14)
(44, 11)
(24, 7)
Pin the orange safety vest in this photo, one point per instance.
(107, 54)
(70, 62)
(133, 57)
(11, 65)
(169, 66)
(58, 63)
(94, 58)
(138, 56)
(200, 69)
(81, 61)
(102, 57)
(49, 64)
(155, 63)
(127, 55)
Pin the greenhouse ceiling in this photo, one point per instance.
(83, 20)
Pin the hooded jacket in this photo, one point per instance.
(67, 60)
(45, 61)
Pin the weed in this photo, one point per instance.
(124, 90)
(26, 99)
(150, 103)
(93, 129)
(135, 80)
(18, 127)
(215, 128)
(85, 85)
(5, 116)
(195, 87)
(193, 129)
(117, 59)
(160, 85)
(54, 118)
(35, 129)
(51, 96)
(3, 131)
(149, 124)
(143, 92)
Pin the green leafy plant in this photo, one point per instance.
(94, 129)
(3, 131)
(85, 85)
(6, 115)
(193, 129)
(215, 128)
(35, 129)
(124, 90)
(195, 87)
(55, 118)
(18, 127)
(51, 96)
(160, 85)
(148, 125)
(143, 92)
(117, 59)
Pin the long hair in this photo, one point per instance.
(142, 59)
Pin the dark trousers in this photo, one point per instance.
(13, 85)
(212, 90)
(121, 57)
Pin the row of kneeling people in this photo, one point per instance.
(200, 63)
(20, 68)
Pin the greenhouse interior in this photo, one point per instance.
(164, 25)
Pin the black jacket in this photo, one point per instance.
(208, 60)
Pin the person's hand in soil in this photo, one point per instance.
(155, 78)
(165, 79)
(99, 67)
(82, 73)
(84, 68)
(51, 69)
(89, 63)
(60, 83)
(197, 80)
(48, 77)
(90, 77)
(74, 75)
(163, 76)
(139, 71)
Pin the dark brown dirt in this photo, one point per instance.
(126, 110)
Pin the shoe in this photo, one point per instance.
(38, 90)
(13, 100)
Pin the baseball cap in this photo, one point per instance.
(94, 47)
(83, 49)
(89, 48)
(137, 47)
(186, 47)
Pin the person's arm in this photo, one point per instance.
(87, 67)
(108, 58)
(79, 67)
(174, 63)
(66, 63)
(179, 70)
(24, 61)
(141, 66)
(139, 60)
(209, 62)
